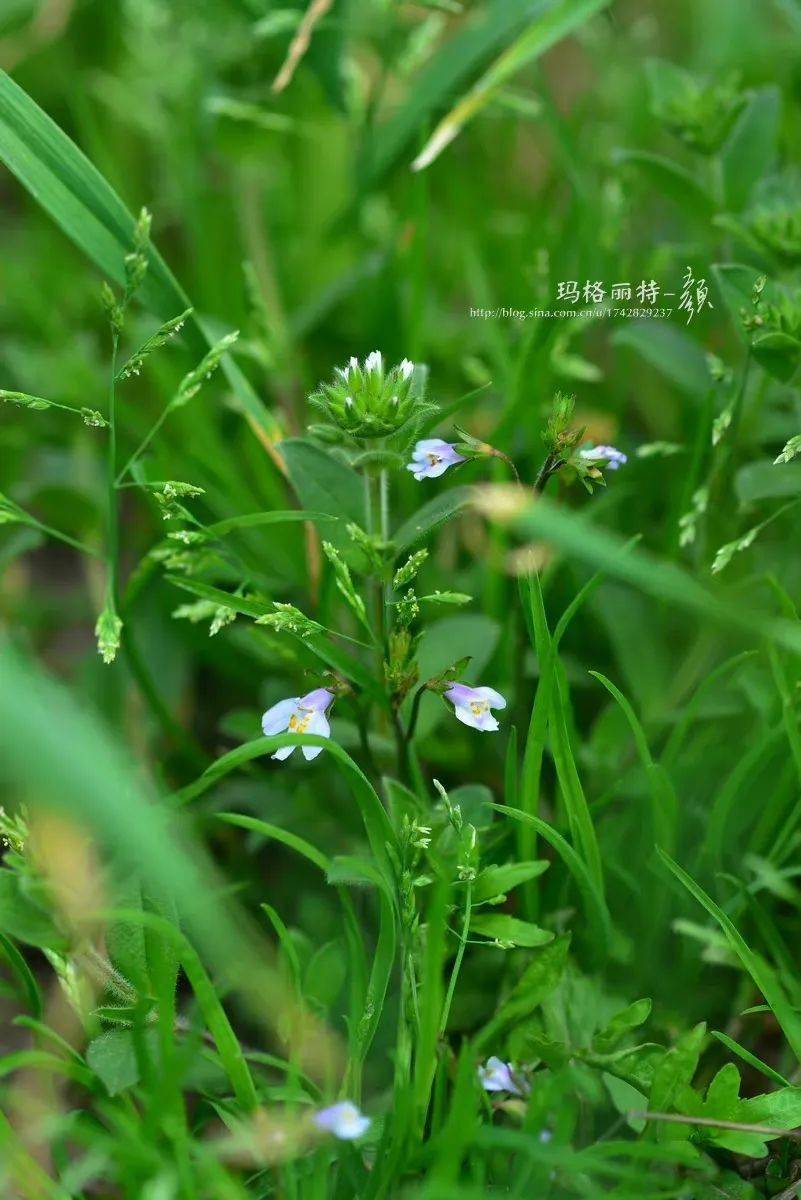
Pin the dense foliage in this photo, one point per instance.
(399, 633)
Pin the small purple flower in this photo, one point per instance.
(299, 714)
(344, 1120)
(607, 454)
(472, 706)
(498, 1076)
(432, 457)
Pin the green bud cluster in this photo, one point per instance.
(560, 437)
(366, 400)
(700, 113)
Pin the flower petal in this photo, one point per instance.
(466, 716)
(344, 1120)
(318, 724)
(276, 719)
(496, 700)
(318, 700)
(284, 752)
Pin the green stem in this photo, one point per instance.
(143, 445)
(58, 535)
(112, 532)
(457, 963)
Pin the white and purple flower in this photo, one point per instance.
(498, 1076)
(344, 1120)
(431, 458)
(472, 706)
(299, 714)
(609, 456)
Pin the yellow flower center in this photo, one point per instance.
(433, 459)
(299, 724)
(477, 707)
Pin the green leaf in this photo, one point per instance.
(676, 355)
(764, 480)
(736, 285)
(434, 512)
(498, 880)
(23, 973)
(751, 147)
(543, 33)
(444, 643)
(597, 913)
(778, 353)
(376, 822)
(763, 975)
(23, 919)
(621, 1024)
(458, 60)
(540, 978)
(673, 1073)
(112, 1057)
(77, 197)
(475, 803)
(322, 482)
(503, 928)
(749, 1058)
(671, 180)
(275, 517)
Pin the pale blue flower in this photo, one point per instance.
(611, 457)
(472, 706)
(299, 714)
(431, 458)
(498, 1076)
(344, 1120)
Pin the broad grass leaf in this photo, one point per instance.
(434, 512)
(563, 18)
(670, 350)
(274, 517)
(23, 973)
(597, 913)
(377, 825)
(762, 974)
(67, 761)
(749, 1058)
(356, 953)
(668, 583)
(77, 197)
(764, 480)
(751, 147)
(451, 67)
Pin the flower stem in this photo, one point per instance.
(457, 962)
(112, 527)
